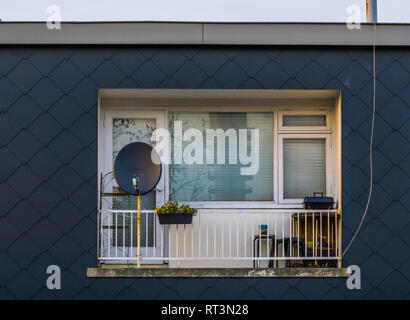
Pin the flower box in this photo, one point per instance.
(175, 218)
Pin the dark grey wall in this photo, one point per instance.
(48, 109)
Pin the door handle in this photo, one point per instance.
(158, 189)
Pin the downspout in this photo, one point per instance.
(371, 11)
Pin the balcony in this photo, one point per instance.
(275, 240)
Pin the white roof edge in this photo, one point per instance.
(22, 33)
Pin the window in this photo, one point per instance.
(304, 167)
(219, 172)
(303, 155)
(292, 159)
(304, 121)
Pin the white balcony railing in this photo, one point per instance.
(285, 238)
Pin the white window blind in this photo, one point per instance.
(223, 182)
(304, 167)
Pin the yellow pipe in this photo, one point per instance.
(138, 231)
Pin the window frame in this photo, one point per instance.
(231, 204)
(279, 133)
(326, 113)
(329, 175)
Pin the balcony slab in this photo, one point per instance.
(156, 272)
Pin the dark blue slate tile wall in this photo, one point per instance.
(48, 110)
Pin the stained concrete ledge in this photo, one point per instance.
(132, 272)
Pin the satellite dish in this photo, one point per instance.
(137, 168)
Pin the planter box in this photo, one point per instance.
(175, 218)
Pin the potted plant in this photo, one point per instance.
(172, 213)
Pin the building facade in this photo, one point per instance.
(52, 100)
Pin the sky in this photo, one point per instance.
(397, 11)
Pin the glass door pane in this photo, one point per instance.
(124, 132)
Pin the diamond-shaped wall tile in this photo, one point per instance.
(65, 251)
(107, 67)
(65, 215)
(45, 93)
(87, 60)
(8, 93)
(24, 286)
(8, 233)
(45, 60)
(395, 112)
(293, 61)
(23, 251)
(189, 76)
(393, 286)
(85, 94)
(210, 60)
(45, 198)
(376, 234)
(9, 163)
(395, 217)
(24, 111)
(24, 76)
(85, 129)
(8, 269)
(8, 128)
(65, 146)
(23, 216)
(381, 165)
(393, 76)
(357, 181)
(66, 76)
(45, 128)
(230, 75)
(83, 161)
(65, 181)
(272, 76)
(313, 76)
(10, 58)
(8, 198)
(148, 75)
(24, 146)
(395, 144)
(396, 252)
(355, 112)
(375, 269)
(45, 233)
(251, 61)
(24, 181)
(127, 60)
(396, 182)
(169, 61)
(354, 77)
(45, 163)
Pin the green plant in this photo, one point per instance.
(174, 207)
